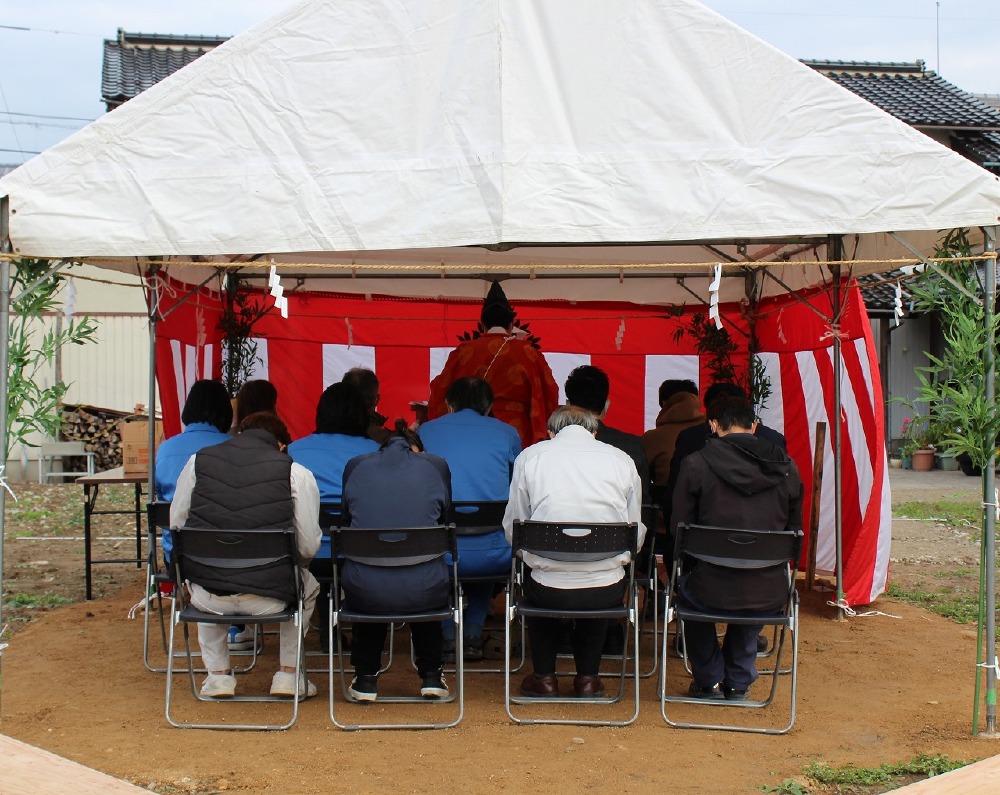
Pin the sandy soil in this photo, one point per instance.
(871, 690)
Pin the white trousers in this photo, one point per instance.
(213, 638)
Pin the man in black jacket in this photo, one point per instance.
(737, 480)
(588, 387)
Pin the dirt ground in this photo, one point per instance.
(872, 689)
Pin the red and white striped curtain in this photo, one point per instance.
(405, 341)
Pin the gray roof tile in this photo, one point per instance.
(135, 61)
(912, 94)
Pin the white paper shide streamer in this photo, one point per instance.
(277, 291)
(713, 297)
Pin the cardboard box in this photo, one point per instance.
(135, 445)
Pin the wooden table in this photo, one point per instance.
(91, 488)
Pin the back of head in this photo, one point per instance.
(208, 402)
(342, 409)
(255, 396)
(266, 421)
(588, 387)
(470, 393)
(402, 430)
(732, 411)
(497, 310)
(366, 382)
(723, 389)
(564, 416)
(673, 386)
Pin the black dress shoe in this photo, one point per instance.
(588, 686)
(733, 694)
(540, 686)
(713, 693)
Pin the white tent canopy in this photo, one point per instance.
(391, 132)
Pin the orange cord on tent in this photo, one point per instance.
(528, 268)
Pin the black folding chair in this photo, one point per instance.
(473, 518)
(573, 541)
(741, 551)
(261, 561)
(393, 548)
(159, 581)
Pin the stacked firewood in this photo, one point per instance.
(98, 430)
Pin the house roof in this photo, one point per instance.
(911, 93)
(926, 101)
(135, 61)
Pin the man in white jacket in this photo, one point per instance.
(572, 477)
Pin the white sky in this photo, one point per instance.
(54, 67)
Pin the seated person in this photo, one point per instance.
(206, 416)
(367, 384)
(249, 482)
(572, 477)
(398, 486)
(254, 396)
(741, 481)
(480, 452)
(341, 434)
(680, 408)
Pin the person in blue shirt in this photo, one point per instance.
(207, 416)
(480, 451)
(341, 434)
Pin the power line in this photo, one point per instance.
(20, 151)
(41, 124)
(23, 29)
(44, 116)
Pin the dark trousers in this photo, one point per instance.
(367, 641)
(734, 665)
(588, 634)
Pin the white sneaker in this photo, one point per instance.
(241, 641)
(219, 686)
(283, 684)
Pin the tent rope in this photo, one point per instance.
(995, 665)
(850, 612)
(529, 268)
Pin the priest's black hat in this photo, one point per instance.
(496, 308)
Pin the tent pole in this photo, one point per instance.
(153, 298)
(5, 248)
(989, 525)
(838, 519)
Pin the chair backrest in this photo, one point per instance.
(575, 541)
(395, 546)
(158, 513)
(739, 549)
(473, 518)
(329, 515)
(260, 561)
(650, 517)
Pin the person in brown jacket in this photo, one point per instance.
(680, 408)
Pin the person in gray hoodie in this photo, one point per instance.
(740, 481)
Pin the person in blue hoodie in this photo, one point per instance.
(207, 416)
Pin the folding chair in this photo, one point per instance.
(741, 551)
(159, 581)
(648, 580)
(263, 561)
(472, 518)
(573, 541)
(322, 569)
(391, 548)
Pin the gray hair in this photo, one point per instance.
(564, 416)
